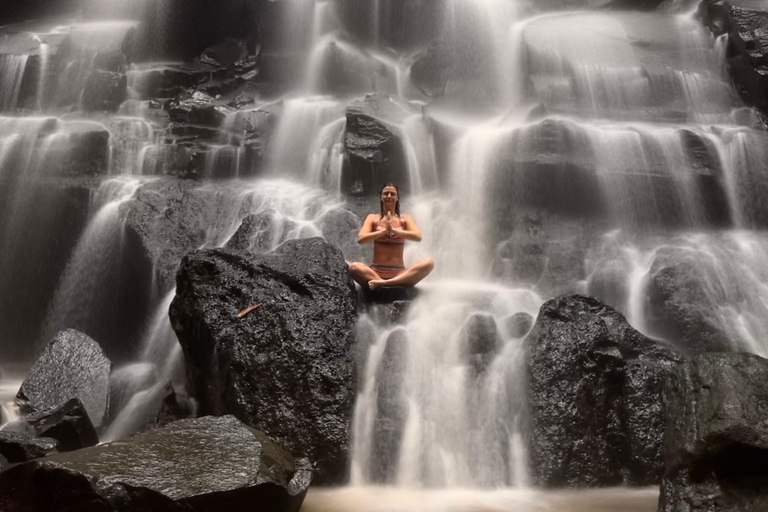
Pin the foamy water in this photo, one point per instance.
(389, 499)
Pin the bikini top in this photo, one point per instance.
(391, 239)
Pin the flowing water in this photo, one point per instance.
(547, 149)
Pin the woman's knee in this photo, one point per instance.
(427, 264)
(355, 267)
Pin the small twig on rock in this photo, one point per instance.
(247, 310)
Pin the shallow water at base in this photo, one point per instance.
(390, 499)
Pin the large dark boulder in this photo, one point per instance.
(745, 23)
(197, 108)
(286, 366)
(373, 150)
(716, 438)
(682, 293)
(595, 387)
(205, 464)
(71, 366)
(68, 424)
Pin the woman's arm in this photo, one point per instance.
(368, 232)
(410, 230)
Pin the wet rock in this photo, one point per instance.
(105, 91)
(340, 228)
(19, 426)
(231, 467)
(68, 424)
(373, 152)
(716, 438)
(431, 69)
(286, 366)
(594, 387)
(681, 297)
(224, 54)
(390, 294)
(72, 366)
(637, 5)
(391, 408)
(20, 448)
(259, 233)
(747, 54)
(518, 324)
(87, 151)
(197, 109)
(163, 82)
(3, 463)
(481, 339)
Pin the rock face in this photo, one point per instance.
(68, 424)
(595, 387)
(104, 90)
(747, 56)
(72, 366)
(211, 463)
(374, 152)
(716, 438)
(285, 367)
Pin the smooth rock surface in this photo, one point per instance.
(72, 366)
(285, 367)
(204, 464)
(594, 387)
(716, 438)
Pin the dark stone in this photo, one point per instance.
(635, 5)
(285, 367)
(72, 366)
(197, 109)
(678, 304)
(164, 82)
(716, 438)
(68, 424)
(224, 54)
(747, 53)
(518, 324)
(20, 427)
(389, 294)
(3, 463)
(105, 91)
(87, 153)
(481, 339)
(594, 385)
(20, 448)
(258, 233)
(232, 467)
(391, 408)
(374, 153)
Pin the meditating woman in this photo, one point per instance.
(388, 230)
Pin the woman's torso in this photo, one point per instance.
(388, 250)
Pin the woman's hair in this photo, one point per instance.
(397, 204)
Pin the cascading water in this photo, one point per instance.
(544, 151)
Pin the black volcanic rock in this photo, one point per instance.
(105, 91)
(286, 366)
(374, 152)
(716, 438)
(432, 69)
(16, 447)
(747, 56)
(518, 324)
(481, 340)
(595, 385)
(72, 366)
(205, 464)
(68, 424)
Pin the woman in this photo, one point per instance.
(388, 230)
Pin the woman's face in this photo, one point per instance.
(389, 196)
